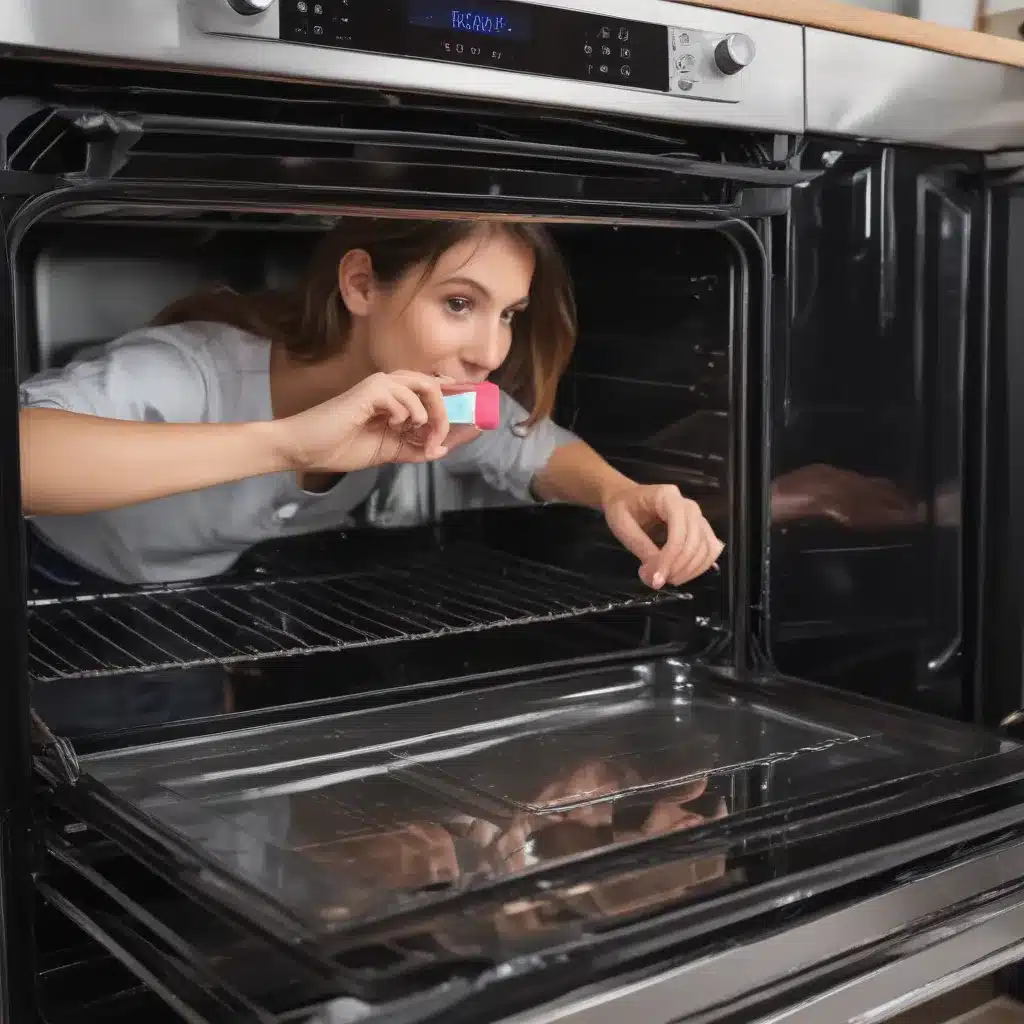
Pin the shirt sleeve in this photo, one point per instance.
(510, 456)
(151, 376)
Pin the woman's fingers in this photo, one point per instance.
(691, 563)
(388, 404)
(629, 533)
(397, 401)
(688, 547)
(705, 556)
(428, 390)
(415, 411)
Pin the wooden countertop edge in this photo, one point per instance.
(895, 28)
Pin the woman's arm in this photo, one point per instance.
(636, 513)
(576, 474)
(72, 463)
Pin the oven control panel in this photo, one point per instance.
(515, 36)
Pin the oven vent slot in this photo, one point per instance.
(463, 588)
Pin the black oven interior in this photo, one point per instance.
(384, 606)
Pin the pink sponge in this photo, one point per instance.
(477, 405)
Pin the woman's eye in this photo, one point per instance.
(458, 305)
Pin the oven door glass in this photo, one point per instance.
(593, 796)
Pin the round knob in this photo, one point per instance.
(251, 6)
(734, 53)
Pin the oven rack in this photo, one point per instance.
(461, 588)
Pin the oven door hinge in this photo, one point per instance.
(53, 756)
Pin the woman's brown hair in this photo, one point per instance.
(310, 321)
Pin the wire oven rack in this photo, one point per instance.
(461, 588)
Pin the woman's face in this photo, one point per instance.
(455, 321)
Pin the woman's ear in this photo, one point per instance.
(356, 283)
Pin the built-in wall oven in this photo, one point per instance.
(456, 763)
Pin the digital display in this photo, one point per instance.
(515, 36)
(494, 20)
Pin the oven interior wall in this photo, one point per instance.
(649, 386)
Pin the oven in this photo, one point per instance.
(453, 761)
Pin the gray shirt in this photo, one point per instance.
(211, 373)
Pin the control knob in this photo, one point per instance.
(734, 53)
(251, 6)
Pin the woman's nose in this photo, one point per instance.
(489, 348)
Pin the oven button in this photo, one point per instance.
(606, 51)
(625, 71)
(734, 53)
(588, 49)
(286, 512)
(252, 6)
(685, 62)
(605, 33)
(603, 69)
(625, 53)
(684, 85)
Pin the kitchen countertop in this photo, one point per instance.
(839, 17)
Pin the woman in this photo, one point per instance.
(235, 419)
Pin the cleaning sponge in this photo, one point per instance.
(473, 404)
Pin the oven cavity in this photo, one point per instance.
(649, 386)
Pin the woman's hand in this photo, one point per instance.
(388, 417)
(638, 514)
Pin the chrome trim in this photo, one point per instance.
(887, 91)
(935, 955)
(955, 961)
(179, 34)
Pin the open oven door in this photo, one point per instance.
(465, 857)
